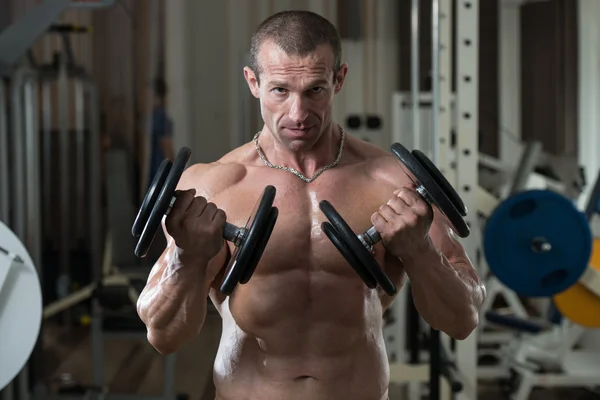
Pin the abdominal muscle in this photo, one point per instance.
(305, 326)
(302, 334)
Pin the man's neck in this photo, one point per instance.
(308, 161)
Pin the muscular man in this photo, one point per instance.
(305, 326)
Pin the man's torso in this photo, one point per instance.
(305, 325)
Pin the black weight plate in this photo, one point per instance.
(162, 202)
(350, 257)
(150, 198)
(441, 180)
(421, 177)
(352, 241)
(260, 247)
(256, 225)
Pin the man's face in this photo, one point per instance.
(296, 93)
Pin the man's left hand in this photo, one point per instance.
(403, 223)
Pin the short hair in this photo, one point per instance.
(297, 33)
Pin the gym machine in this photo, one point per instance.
(25, 167)
(456, 160)
(563, 266)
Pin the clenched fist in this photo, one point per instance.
(403, 222)
(196, 225)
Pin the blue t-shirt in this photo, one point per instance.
(162, 127)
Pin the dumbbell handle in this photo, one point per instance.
(371, 237)
(233, 233)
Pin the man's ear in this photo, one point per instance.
(340, 77)
(252, 80)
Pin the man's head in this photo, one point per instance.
(295, 70)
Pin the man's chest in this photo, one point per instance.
(298, 238)
(354, 196)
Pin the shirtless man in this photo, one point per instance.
(305, 326)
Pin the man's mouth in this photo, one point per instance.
(299, 129)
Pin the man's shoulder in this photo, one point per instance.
(370, 154)
(380, 164)
(211, 178)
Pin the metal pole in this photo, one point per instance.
(95, 184)
(4, 182)
(32, 172)
(434, 335)
(414, 84)
(80, 157)
(435, 78)
(467, 153)
(18, 145)
(446, 152)
(529, 159)
(65, 188)
(415, 89)
(33, 221)
(47, 156)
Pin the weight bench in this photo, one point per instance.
(542, 354)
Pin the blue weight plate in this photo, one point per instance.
(513, 236)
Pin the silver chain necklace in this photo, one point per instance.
(295, 171)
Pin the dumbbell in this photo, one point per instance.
(250, 240)
(358, 249)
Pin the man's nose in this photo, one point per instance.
(298, 111)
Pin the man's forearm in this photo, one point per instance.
(173, 303)
(447, 295)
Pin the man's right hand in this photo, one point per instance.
(196, 226)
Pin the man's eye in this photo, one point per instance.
(317, 89)
(279, 90)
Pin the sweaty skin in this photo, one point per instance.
(305, 326)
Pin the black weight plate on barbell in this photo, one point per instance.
(441, 180)
(255, 227)
(150, 198)
(260, 247)
(351, 240)
(349, 255)
(422, 177)
(162, 202)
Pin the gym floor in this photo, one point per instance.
(132, 366)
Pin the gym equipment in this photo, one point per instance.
(358, 249)
(250, 241)
(20, 305)
(551, 359)
(70, 189)
(580, 303)
(537, 243)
